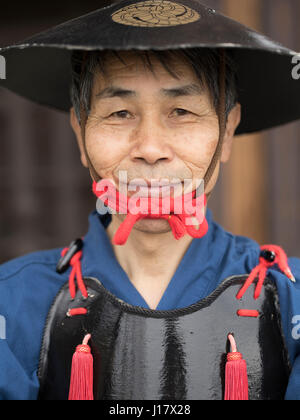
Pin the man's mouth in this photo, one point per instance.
(152, 188)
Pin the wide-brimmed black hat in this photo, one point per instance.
(39, 68)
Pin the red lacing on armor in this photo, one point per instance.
(76, 273)
(279, 257)
(248, 313)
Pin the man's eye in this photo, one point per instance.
(181, 112)
(121, 114)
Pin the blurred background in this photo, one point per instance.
(257, 194)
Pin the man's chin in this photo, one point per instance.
(153, 226)
(149, 225)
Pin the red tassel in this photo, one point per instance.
(236, 379)
(81, 384)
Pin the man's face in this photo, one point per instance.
(150, 124)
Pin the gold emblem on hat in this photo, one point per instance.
(153, 13)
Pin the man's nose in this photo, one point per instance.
(151, 141)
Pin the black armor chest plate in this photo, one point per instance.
(143, 354)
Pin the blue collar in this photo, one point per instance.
(207, 261)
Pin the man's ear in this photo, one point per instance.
(77, 131)
(233, 120)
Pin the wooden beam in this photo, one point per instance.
(245, 197)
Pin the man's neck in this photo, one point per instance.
(149, 259)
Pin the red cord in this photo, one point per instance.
(276, 256)
(260, 271)
(248, 313)
(179, 223)
(76, 264)
(77, 311)
(76, 273)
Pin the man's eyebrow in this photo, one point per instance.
(115, 91)
(187, 90)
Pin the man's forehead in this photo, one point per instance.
(129, 64)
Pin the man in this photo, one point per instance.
(156, 106)
(160, 296)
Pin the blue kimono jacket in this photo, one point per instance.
(29, 284)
